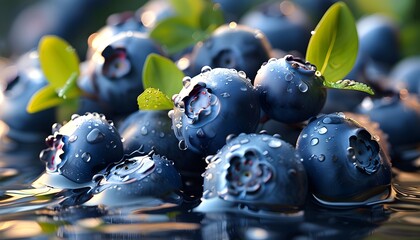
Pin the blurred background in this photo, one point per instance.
(23, 22)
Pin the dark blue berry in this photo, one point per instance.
(212, 105)
(144, 131)
(257, 170)
(345, 163)
(291, 90)
(22, 80)
(406, 75)
(232, 46)
(113, 76)
(283, 23)
(137, 179)
(79, 149)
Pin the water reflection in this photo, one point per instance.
(27, 212)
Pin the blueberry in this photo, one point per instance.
(406, 75)
(346, 165)
(260, 171)
(79, 149)
(283, 23)
(22, 79)
(398, 117)
(113, 76)
(145, 131)
(212, 105)
(232, 46)
(379, 39)
(291, 90)
(136, 179)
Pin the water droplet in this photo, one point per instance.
(304, 135)
(245, 140)
(322, 130)
(288, 77)
(159, 170)
(234, 147)
(230, 137)
(186, 81)
(161, 134)
(72, 138)
(171, 114)
(225, 95)
(321, 157)
(86, 157)
(205, 69)
(74, 116)
(289, 89)
(95, 136)
(303, 87)
(242, 74)
(327, 120)
(143, 130)
(275, 143)
(182, 145)
(314, 141)
(244, 89)
(200, 133)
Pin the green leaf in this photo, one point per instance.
(163, 74)
(350, 85)
(176, 33)
(334, 43)
(43, 99)
(58, 60)
(153, 99)
(211, 17)
(188, 8)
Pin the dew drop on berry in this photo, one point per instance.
(275, 143)
(288, 77)
(74, 116)
(225, 94)
(242, 74)
(322, 130)
(186, 81)
(321, 157)
(182, 145)
(303, 87)
(86, 157)
(200, 133)
(72, 138)
(314, 141)
(205, 69)
(95, 136)
(143, 130)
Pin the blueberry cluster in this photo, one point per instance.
(252, 128)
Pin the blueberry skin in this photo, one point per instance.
(232, 46)
(344, 163)
(406, 75)
(81, 148)
(137, 178)
(379, 39)
(212, 105)
(283, 23)
(145, 131)
(258, 170)
(398, 117)
(114, 73)
(291, 90)
(22, 80)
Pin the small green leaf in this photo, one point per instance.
(153, 99)
(350, 85)
(334, 43)
(163, 74)
(43, 99)
(211, 17)
(188, 8)
(58, 60)
(176, 33)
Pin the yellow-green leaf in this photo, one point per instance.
(58, 60)
(153, 99)
(43, 99)
(334, 43)
(161, 73)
